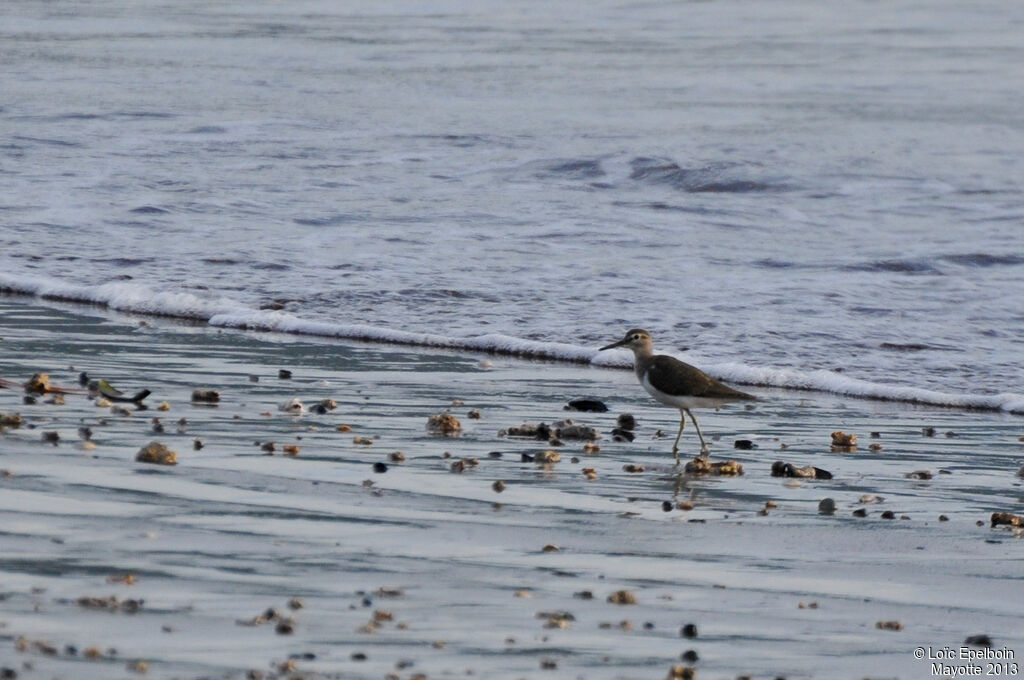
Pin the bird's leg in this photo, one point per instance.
(703, 444)
(675, 447)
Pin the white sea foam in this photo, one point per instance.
(226, 313)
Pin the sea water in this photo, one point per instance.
(802, 194)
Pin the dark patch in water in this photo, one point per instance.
(208, 130)
(50, 142)
(220, 260)
(984, 259)
(144, 114)
(272, 266)
(872, 311)
(332, 221)
(435, 293)
(905, 346)
(896, 266)
(578, 169)
(123, 261)
(708, 179)
(662, 206)
(770, 263)
(149, 210)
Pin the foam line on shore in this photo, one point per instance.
(226, 313)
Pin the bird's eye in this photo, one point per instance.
(636, 336)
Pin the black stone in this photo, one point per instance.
(586, 404)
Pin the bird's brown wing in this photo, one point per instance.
(671, 376)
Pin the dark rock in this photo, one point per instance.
(587, 405)
(206, 396)
(784, 469)
(622, 435)
(626, 421)
(826, 506)
(979, 641)
(284, 374)
(380, 467)
(1006, 518)
(744, 444)
(156, 453)
(860, 512)
(688, 631)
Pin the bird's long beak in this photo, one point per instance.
(620, 343)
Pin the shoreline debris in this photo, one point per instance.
(444, 424)
(784, 469)
(156, 453)
(704, 466)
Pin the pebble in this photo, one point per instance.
(688, 631)
(621, 434)
(1000, 518)
(919, 474)
(587, 405)
(380, 467)
(156, 453)
(843, 440)
(978, 640)
(396, 457)
(284, 374)
(622, 597)
(498, 486)
(743, 444)
(631, 468)
(444, 424)
(826, 506)
(203, 396)
(703, 466)
(784, 469)
(546, 457)
(860, 512)
(681, 673)
(889, 625)
(627, 422)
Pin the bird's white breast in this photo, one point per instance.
(678, 401)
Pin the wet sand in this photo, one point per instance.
(421, 570)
